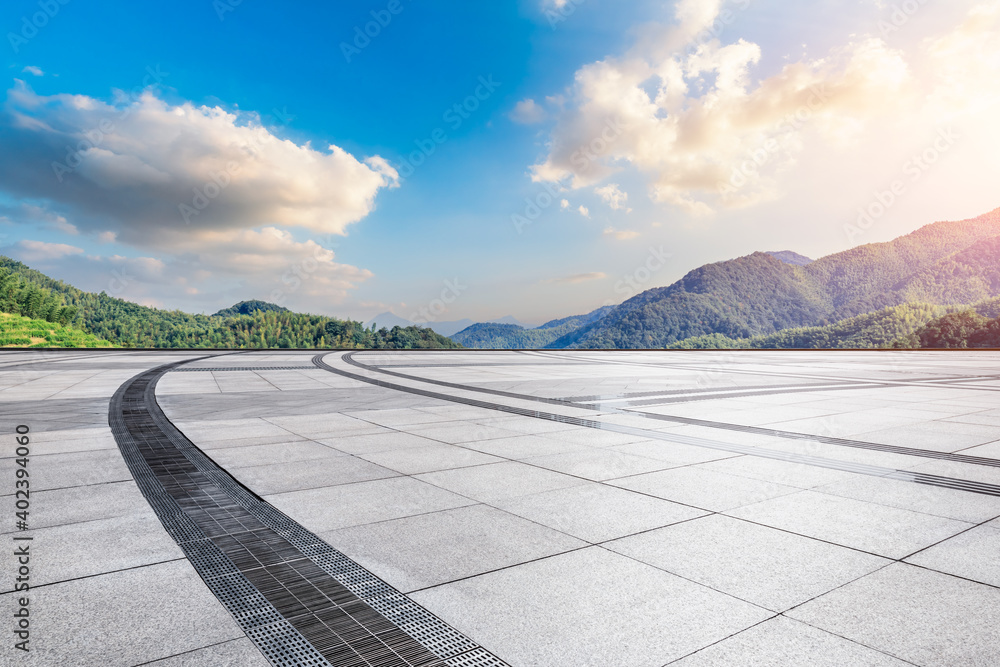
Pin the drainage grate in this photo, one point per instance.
(300, 601)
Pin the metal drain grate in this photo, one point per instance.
(298, 599)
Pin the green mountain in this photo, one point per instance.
(978, 326)
(789, 257)
(130, 325)
(498, 336)
(945, 263)
(882, 328)
(251, 307)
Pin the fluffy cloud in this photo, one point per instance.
(40, 251)
(527, 112)
(690, 116)
(213, 194)
(163, 176)
(39, 217)
(267, 264)
(613, 196)
(31, 69)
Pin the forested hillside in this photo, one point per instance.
(879, 329)
(498, 336)
(965, 329)
(131, 325)
(19, 296)
(946, 263)
(251, 307)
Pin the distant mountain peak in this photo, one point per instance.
(789, 257)
(249, 308)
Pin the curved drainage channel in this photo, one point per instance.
(301, 601)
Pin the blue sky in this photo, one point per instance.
(351, 232)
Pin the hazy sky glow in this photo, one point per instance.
(537, 158)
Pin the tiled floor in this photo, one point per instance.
(549, 542)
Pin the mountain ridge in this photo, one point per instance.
(758, 294)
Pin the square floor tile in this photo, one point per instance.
(768, 567)
(595, 512)
(589, 608)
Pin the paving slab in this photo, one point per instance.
(707, 489)
(311, 474)
(781, 642)
(234, 653)
(500, 481)
(333, 507)
(589, 607)
(432, 549)
(415, 460)
(596, 512)
(123, 618)
(768, 567)
(925, 617)
(970, 555)
(598, 464)
(877, 529)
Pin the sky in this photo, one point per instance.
(447, 160)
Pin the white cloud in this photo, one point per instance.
(613, 196)
(621, 234)
(31, 69)
(264, 264)
(527, 112)
(142, 165)
(965, 59)
(35, 251)
(564, 204)
(31, 214)
(584, 211)
(690, 119)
